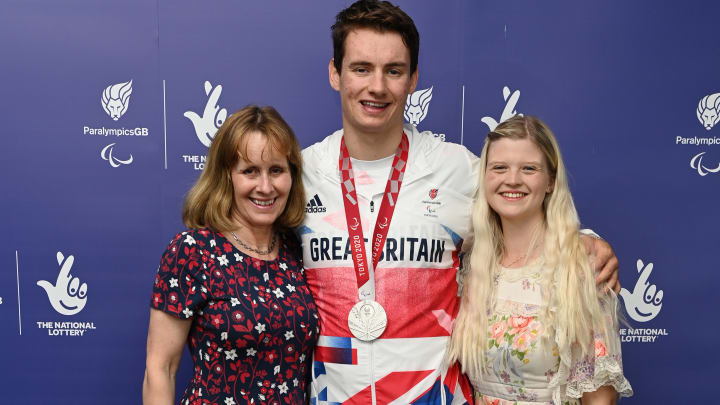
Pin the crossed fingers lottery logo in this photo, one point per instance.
(645, 301)
(213, 116)
(68, 295)
(642, 304)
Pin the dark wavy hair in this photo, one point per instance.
(381, 16)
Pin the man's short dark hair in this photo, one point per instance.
(381, 16)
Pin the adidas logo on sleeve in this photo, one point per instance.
(314, 206)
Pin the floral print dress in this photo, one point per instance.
(254, 322)
(525, 369)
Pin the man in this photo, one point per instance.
(388, 213)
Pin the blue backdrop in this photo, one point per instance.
(108, 107)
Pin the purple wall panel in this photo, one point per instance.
(618, 82)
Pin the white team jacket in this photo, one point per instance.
(415, 281)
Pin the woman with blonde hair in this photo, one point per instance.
(533, 328)
(232, 285)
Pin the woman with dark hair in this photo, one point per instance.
(232, 285)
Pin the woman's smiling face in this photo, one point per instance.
(516, 179)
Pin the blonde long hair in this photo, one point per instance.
(574, 310)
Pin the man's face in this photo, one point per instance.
(374, 81)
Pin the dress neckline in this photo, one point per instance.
(281, 244)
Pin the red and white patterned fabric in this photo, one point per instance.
(415, 280)
(254, 322)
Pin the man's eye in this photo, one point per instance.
(394, 72)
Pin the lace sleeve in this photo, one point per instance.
(580, 374)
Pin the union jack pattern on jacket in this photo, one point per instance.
(416, 278)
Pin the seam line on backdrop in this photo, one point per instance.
(462, 117)
(164, 125)
(17, 277)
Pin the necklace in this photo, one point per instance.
(258, 251)
(514, 261)
(509, 265)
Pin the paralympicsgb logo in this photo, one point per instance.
(416, 107)
(116, 98)
(107, 154)
(708, 110)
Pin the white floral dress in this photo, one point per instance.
(525, 369)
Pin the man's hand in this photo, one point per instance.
(605, 263)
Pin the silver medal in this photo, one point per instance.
(367, 320)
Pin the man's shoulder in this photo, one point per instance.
(317, 158)
(449, 153)
(321, 149)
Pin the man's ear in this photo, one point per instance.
(413, 81)
(333, 75)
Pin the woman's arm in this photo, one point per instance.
(166, 339)
(603, 396)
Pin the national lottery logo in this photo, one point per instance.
(708, 110)
(416, 107)
(68, 295)
(644, 302)
(511, 99)
(212, 118)
(116, 98)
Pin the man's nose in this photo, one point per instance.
(377, 83)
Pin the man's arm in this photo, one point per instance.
(605, 264)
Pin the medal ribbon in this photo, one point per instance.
(385, 214)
